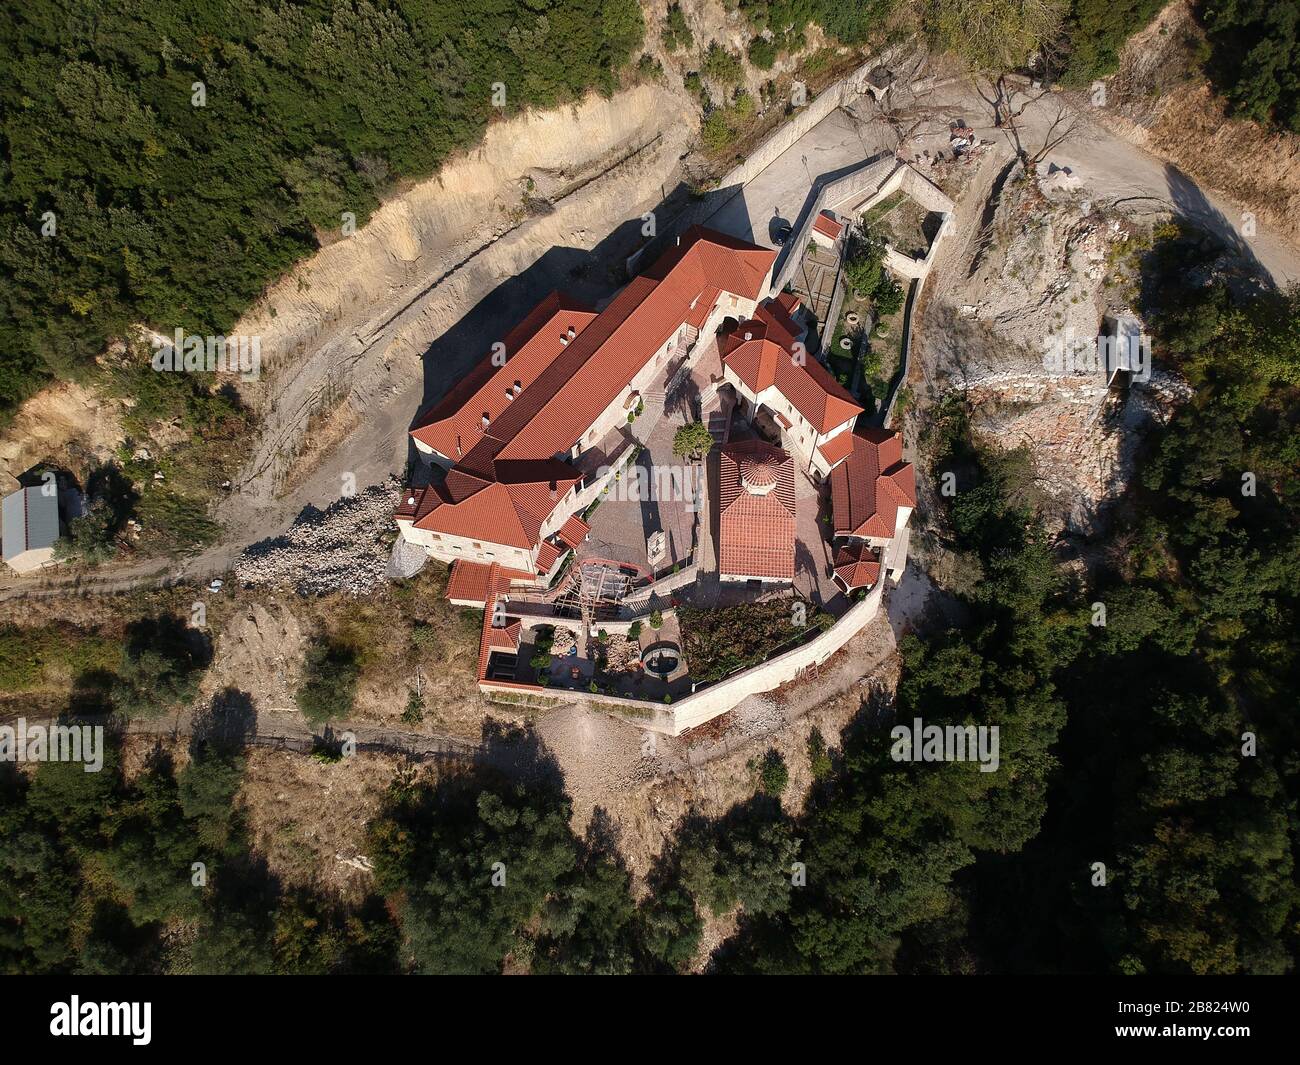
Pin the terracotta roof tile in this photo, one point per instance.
(574, 531)
(756, 502)
(547, 555)
(768, 358)
(621, 340)
(869, 486)
(505, 638)
(837, 448)
(856, 566)
(501, 487)
(469, 581)
(455, 423)
(827, 225)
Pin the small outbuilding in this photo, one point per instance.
(29, 526)
(826, 229)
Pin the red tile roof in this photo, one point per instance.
(574, 531)
(869, 486)
(836, 448)
(469, 581)
(586, 379)
(500, 511)
(780, 312)
(455, 424)
(856, 566)
(547, 555)
(498, 584)
(505, 638)
(769, 358)
(827, 225)
(757, 511)
(506, 478)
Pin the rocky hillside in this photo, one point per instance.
(1010, 322)
(1161, 101)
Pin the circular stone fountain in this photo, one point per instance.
(661, 658)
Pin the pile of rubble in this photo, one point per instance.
(621, 654)
(345, 547)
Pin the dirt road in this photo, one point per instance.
(1110, 167)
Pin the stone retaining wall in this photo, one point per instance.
(704, 705)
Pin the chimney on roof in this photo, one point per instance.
(510, 394)
(553, 492)
(749, 336)
(572, 332)
(458, 445)
(487, 419)
(519, 387)
(564, 340)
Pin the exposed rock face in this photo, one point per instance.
(1084, 438)
(513, 218)
(1012, 323)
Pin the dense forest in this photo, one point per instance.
(164, 161)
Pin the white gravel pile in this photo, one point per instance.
(345, 547)
(406, 560)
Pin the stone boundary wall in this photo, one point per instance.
(869, 176)
(766, 152)
(704, 705)
(638, 603)
(779, 140)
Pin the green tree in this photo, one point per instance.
(474, 861)
(993, 35)
(692, 440)
(723, 66)
(329, 683)
(677, 36)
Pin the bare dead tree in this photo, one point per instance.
(1009, 102)
(1065, 124)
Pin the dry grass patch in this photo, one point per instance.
(308, 817)
(406, 635)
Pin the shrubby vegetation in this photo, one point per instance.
(1160, 743)
(329, 682)
(887, 838)
(692, 440)
(723, 66)
(151, 667)
(1255, 58)
(677, 35)
(97, 873)
(1251, 51)
(864, 270)
(1096, 30)
(721, 641)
